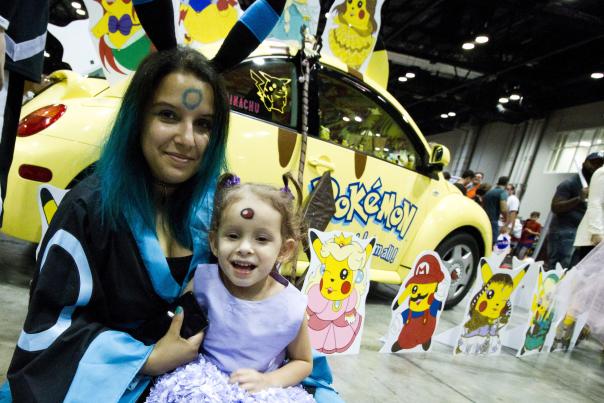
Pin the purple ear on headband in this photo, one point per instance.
(232, 181)
(285, 189)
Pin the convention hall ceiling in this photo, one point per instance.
(544, 51)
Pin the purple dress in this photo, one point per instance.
(241, 334)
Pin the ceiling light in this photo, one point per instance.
(480, 39)
(597, 76)
(402, 79)
(451, 114)
(467, 46)
(377, 135)
(514, 97)
(386, 149)
(75, 4)
(503, 100)
(410, 75)
(346, 119)
(377, 149)
(80, 11)
(444, 115)
(500, 108)
(358, 119)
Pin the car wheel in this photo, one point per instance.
(459, 252)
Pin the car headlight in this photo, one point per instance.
(40, 119)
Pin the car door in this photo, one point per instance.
(264, 117)
(374, 157)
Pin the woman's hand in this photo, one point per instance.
(172, 350)
(251, 380)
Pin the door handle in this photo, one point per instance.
(319, 162)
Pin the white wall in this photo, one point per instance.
(521, 151)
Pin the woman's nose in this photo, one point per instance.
(186, 134)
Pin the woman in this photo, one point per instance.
(124, 241)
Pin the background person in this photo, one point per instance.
(591, 229)
(22, 40)
(123, 242)
(530, 234)
(472, 187)
(465, 180)
(568, 207)
(495, 205)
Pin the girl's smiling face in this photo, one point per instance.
(247, 247)
(177, 127)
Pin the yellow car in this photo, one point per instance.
(386, 177)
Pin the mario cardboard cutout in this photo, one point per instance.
(418, 305)
(337, 283)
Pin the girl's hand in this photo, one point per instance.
(172, 350)
(251, 380)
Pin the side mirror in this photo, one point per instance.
(439, 157)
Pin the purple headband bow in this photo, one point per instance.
(232, 181)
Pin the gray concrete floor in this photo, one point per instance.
(374, 377)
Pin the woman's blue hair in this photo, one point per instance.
(126, 180)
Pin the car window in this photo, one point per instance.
(263, 89)
(352, 117)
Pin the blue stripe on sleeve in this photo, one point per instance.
(260, 18)
(41, 340)
(107, 369)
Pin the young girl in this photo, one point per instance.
(257, 340)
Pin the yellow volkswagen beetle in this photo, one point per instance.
(386, 177)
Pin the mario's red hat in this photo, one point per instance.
(427, 270)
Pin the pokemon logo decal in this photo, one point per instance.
(489, 312)
(272, 91)
(337, 283)
(205, 21)
(418, 305)
(385, 208)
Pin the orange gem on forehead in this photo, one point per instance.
(247, 213)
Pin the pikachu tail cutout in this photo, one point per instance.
(49, 198)
(337, 283)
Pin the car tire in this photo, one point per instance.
(460, 254)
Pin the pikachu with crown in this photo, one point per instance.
(337, 290)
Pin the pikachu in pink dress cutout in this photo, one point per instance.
(333, 319)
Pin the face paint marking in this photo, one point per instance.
(191, 98)
(247, 213)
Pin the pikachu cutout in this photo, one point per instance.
(297, 13)
(543, 313)
(337, 283)
(118, 37)
(418, 306)
(205, 21)
(351, 31)
(489, 309)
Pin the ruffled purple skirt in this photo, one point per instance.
(202, 381)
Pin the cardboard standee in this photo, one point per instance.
(489, 309)
(337, 283)
(351, 32)
(523, 297)
(418, 305)
(543, 313)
